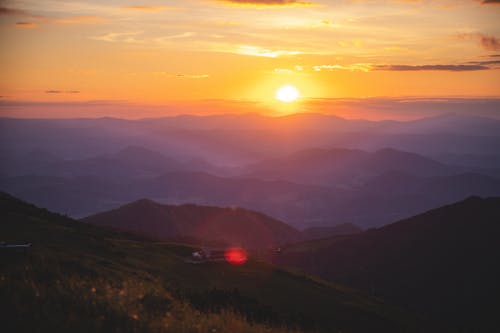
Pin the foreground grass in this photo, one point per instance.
(99, 305)
(80, 278)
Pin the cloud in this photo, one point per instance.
(4, 11)
(452, 68)
(283, 71)
(62, 92)
(267, 3)
(182, 76)
(146, 8)
(79, 20)
(486, 63)
(177, 36)
(489, 43)
(351, 67)
(26, 25)
(367, 67)
(257, 51)
(124, 37)
(490, 2)
(32, 20)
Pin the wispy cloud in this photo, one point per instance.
(490, 2)
(489, 43)
(5, 11)
(62, 92)
(360, 67)
(182, 76)
(490, 63)
(29, 19)
(124, 37)
(141, 8)
(23, 24)
(84, 19)
(452, 68)
(268, 3)
(257, 51)
(176, 36)
(368, 67)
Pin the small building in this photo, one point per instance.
(207, 255)
(5, 245)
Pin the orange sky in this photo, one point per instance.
(164, 52)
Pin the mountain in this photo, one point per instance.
(442, 262)
(233, 226)
(385, 198)
(81, 278)
(76, 196)
(344, 166)
(485, 161)
(14, 163)
(441, 189)
(253, 137)
(449, 123)
(325, 232)
(132, 161)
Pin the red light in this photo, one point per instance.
(235, 256)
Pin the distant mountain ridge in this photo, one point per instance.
(345, 166)
(233, 226)
(253, 137)
(385, 198)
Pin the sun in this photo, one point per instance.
(287, 93)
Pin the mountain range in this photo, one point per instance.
(441, 263)
(385, 198)
(308, 170)
(253, 137)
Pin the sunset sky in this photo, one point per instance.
(176, 52)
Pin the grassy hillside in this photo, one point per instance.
(232, 226)
(81, 278)
(443, 263)
(337, 230)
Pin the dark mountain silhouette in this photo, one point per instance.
(233, 226)
(442, 262)
(81, 278)
(325, 232)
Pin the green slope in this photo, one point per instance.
(81, 278)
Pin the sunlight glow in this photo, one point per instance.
(235, 256)
(287, 94)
